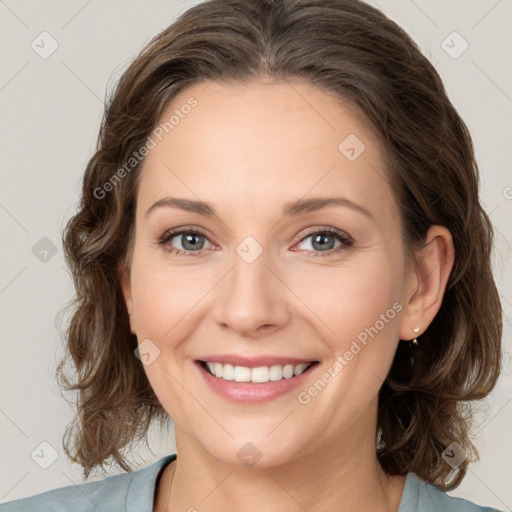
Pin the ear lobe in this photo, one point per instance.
(432, 269)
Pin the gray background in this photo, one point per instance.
(51, 110)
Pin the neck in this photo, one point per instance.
(341, 477)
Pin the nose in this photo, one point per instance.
(252, 299)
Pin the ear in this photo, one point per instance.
(123, 273)
(426, 282)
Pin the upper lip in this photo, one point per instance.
(254, 362)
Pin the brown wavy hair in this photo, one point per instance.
(353, 50)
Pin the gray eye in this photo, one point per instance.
(320, 242)
(190, 240)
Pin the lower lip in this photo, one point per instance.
(251, 392)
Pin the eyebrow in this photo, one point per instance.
(290, 209)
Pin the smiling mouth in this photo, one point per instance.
(259, 375)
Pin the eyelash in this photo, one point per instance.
(345, 240)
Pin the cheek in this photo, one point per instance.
(351, 297)
(164, 302)
(362, 310)
(164, 298)
(367, 324)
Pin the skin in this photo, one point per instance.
(248, 150)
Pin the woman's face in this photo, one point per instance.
(256, 282)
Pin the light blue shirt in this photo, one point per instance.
(134, 492)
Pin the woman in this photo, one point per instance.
(280, 246)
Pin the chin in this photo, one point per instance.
(256, 451)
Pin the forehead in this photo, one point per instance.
(273, 141)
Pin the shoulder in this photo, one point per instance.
(82, 497)
(126, 491)
(420, 496)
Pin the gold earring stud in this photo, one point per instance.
(416, 331)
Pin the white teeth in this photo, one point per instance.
(218, 369)
(228, 372)
(288, 371)
(242, 374)
(260, 374)
(276, 372)
(300, 368)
